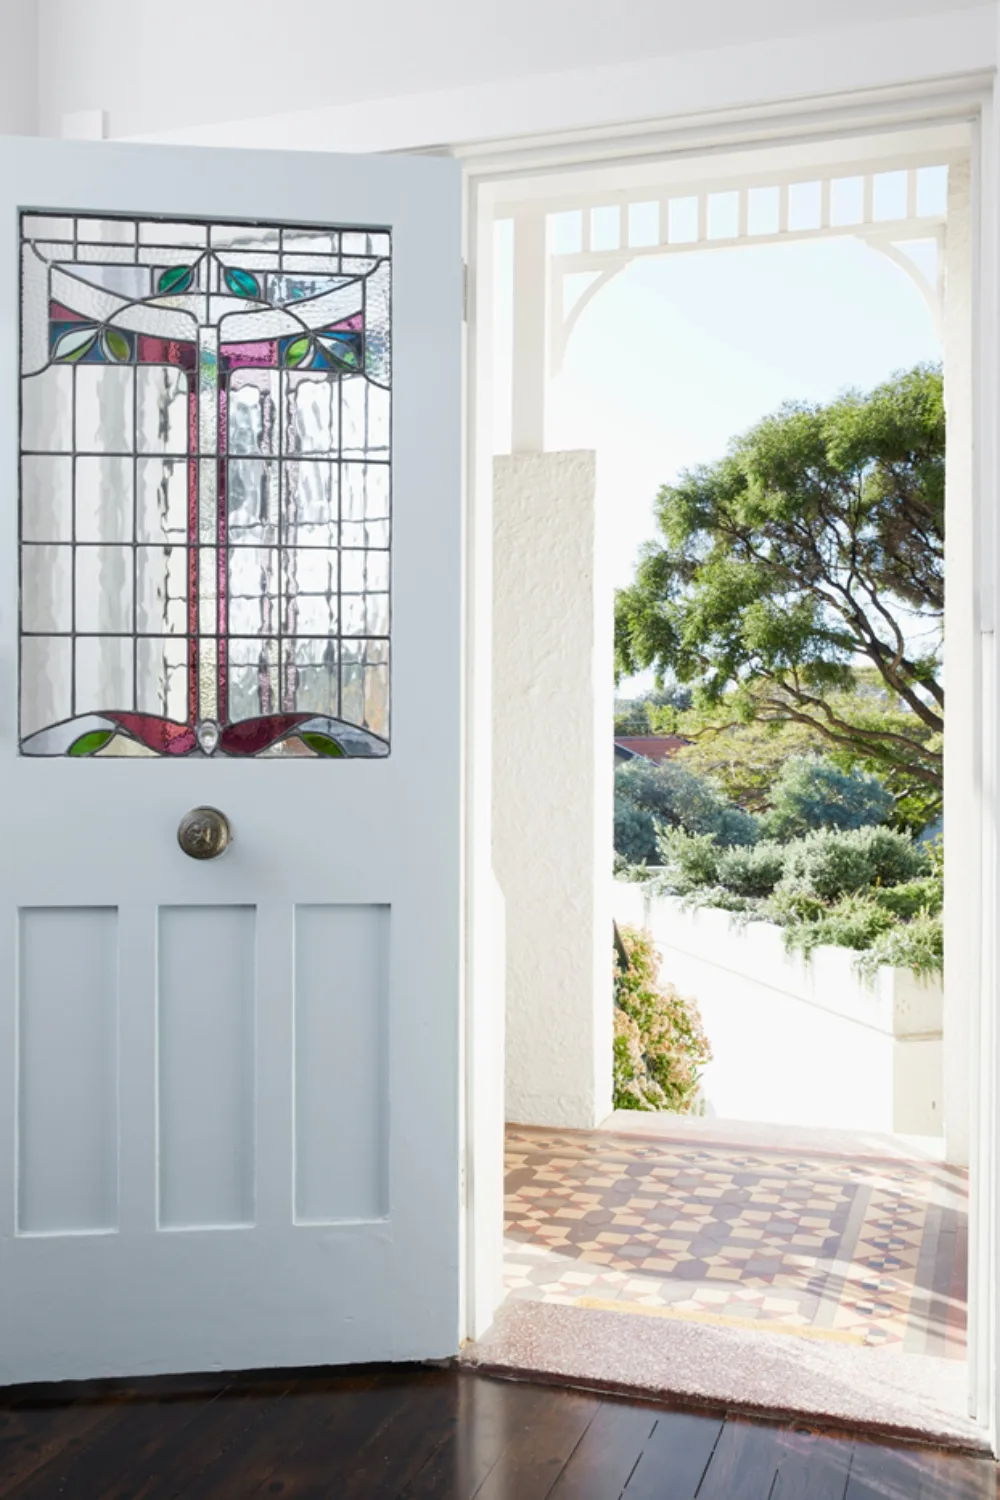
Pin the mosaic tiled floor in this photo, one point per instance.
(855, 1251)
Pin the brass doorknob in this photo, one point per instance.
(204, 833)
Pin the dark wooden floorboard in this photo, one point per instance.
(408, 1433)
(674, 1459)
(539, 1447)
(602, 1463)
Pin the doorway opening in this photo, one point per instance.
(812, 1185)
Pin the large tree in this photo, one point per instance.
(806, 562)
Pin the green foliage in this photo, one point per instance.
(648, 796)
(855, 888)
(636, 716)
(806, 550)
(917, 945)
(853, 921)
(752, 872)
(812, 792)
(659, 1044)
(832, 864)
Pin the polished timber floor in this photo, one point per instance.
(379, 1433)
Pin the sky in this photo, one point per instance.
(679, 353)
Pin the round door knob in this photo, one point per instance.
(204, 833)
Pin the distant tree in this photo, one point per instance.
(649, 796)
(814, 549)
(634, 716)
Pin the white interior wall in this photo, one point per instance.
(395, 76)
(18, 67)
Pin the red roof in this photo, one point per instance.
(651, 746)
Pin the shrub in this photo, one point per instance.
(690, 860)
(753, 871)
(830, 865)
(855, 921)
(917, 945)
(659, 1045)
(675, 798)
(635, 833)
(912, 897)
(811, 792)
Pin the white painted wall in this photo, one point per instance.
(797, 1042)
(552, 786)
(395, 75)
(18, 67)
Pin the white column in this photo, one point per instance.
(552, 785)
(962, 679)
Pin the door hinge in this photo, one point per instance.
(465, 291)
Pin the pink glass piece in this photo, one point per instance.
(162, 735)
(62, 314)
(253, 735)
(259, 355)
(154, 351)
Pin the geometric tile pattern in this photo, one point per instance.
(858, 1250)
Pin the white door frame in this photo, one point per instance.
(970, 99)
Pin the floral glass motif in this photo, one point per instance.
(205, 483)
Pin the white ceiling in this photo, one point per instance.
(164, 65)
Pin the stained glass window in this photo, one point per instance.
(205, 488)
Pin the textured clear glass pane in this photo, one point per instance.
(378, 344)
(245, 236)
(169, 232)
(163, 409)
(252, 497)
(310, 592)
(253, 678)
(364, 614)
(161, 590)
(46, 681)
(47, 227)
(104, 409)
(364, 534)
(104, 590)
(208, 678)
(311, 676)
(207, 563)
(104, 499)
(364, 572)
(105, 231)
(46, 588)
(47, 411)
(253, 591)
(311, 242)
(364, 419)
(311, 503)
(162, 678)
(46, 499)
(104, 673)
(162, 486)
(312, 416)
(253, 411)
(365, 685)
(364, 492)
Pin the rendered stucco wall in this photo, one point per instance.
(552, 786)
(18, 67)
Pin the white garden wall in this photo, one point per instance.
(797, 1042)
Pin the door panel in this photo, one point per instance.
(229, 1109)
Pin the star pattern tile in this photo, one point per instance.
(862, 1250)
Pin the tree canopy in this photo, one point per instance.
(806, 563)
